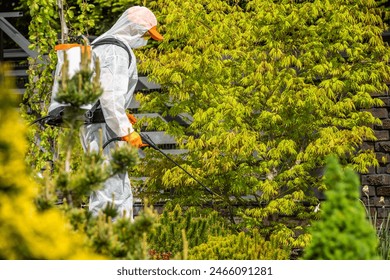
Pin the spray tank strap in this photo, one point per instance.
(113, 41)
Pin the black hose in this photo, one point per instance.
(111, 140)
(39, 120)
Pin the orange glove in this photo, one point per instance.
(131, 118)
(134, 139)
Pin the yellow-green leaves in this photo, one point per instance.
(273, 88)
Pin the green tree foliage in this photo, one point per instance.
(43, 29)
(271, 88)
(343, 232)
(106, 12)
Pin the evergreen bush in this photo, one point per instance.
(239, 246)
(343, 232)
(179, 230)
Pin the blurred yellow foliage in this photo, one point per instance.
(25, 232)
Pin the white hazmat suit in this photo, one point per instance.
(118, 81)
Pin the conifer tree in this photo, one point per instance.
(27, 233)
(167, 239)
(343, 231)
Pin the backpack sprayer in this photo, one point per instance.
(146, 139)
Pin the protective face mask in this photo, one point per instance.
(138, 43)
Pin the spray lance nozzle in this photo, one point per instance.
(146, 139)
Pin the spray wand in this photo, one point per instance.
(146, 139)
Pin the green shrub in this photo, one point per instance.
(238, 247)
(343, 232)
(168, 239)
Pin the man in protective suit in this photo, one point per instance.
(118, 79)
